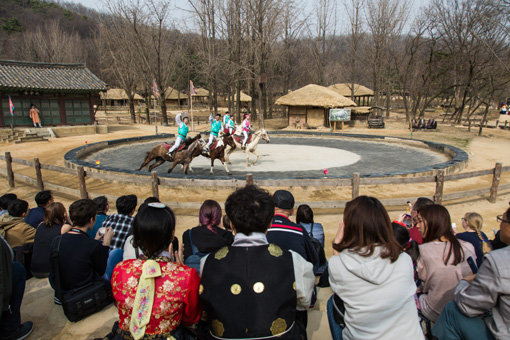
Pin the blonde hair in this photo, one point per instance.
(475, 221)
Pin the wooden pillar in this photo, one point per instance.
(155, 184)
(62, 109)
(8, 166)
(2, 123)
(355, 185)
(249, 179)
(495, 182)
(81, 182)
(438, 196)
(38, 174)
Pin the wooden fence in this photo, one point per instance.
(156, 182)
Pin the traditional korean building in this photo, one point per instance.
(65, 94)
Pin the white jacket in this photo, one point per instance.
(378, 296)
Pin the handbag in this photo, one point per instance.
(80, 302)
(338, 310)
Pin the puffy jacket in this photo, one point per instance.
(16, 231)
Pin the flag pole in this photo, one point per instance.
(191, 108)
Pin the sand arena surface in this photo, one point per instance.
(290, 157)
(49, 320)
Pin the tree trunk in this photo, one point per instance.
(163, 111)
(132, 108)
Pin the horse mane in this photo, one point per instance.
(190, 140)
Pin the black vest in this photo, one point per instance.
(249, 292)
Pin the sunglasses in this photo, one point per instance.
(501, 219)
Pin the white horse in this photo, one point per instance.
(251, 147)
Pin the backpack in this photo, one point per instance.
(193, 261)
(318, 249)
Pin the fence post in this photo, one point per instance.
(155, 183)
(81, 182)
(355, 185)
(38, 174)
(438, 196)
(8, 166)
(495, 182)
(249, 179)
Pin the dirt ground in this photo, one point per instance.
(49, 320)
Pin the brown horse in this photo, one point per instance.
(219, 151)
(184, 156)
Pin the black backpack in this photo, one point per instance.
(80, 302)
(319, 249)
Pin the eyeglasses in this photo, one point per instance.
(463, 219)
(501, 219)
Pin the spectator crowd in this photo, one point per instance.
(251, 272)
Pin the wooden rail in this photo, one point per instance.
(155, 181)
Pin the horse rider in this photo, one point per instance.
(181, 133)
(216, 125)
(228, 123)
(246, 129)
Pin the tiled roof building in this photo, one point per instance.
(63, 93)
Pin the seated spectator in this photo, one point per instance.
(151, 199)
(102, 209)
(12, 227)
(414, 231)
(170, 288)
(472, 222)
(12, 288)
(481, 306)
(442, 262)
(82, 260)
(403, 238)
(122, 221)
(372, 276)
(4, 202)
(304, 217)
(251, 288)
(289, 236)
(226, 223)
(207, 237)
(497, 243)
(55, 216)
(36, 215)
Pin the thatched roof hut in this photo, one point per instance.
(362, 94)
(244, 97)
(311, 104)
(201, 92)
(172, 96)
(117, 97)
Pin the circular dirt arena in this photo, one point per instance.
(293, 157)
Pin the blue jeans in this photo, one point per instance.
(334, 327)
(114, 257)
(452, 325)
(11, 319)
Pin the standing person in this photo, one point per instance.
(34, 115)
(246, 129)
(102, 209)
(36, 215)
(55, 216)
(481, 306)
(372, 276)
(442, 262)
(182, 132)
(472, 223)
(216, 125)
(170, 288)
(122, 221)
(250, 289)
(228, 123)
(207, 237)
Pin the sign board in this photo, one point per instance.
(339, 115)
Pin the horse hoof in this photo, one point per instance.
(229, 173)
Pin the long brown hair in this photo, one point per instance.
(54, 214)
(438, 224)
(368, 225)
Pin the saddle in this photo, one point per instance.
(213, 145)
(168, 146)
(239, 138)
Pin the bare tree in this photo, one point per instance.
(325, 29)
(354, 10)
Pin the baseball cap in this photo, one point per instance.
(283, 199)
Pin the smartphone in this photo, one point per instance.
(472, 265)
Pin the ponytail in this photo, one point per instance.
(475, 221)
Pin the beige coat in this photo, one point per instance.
(15, 231)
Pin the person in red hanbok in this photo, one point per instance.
(157, 298)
